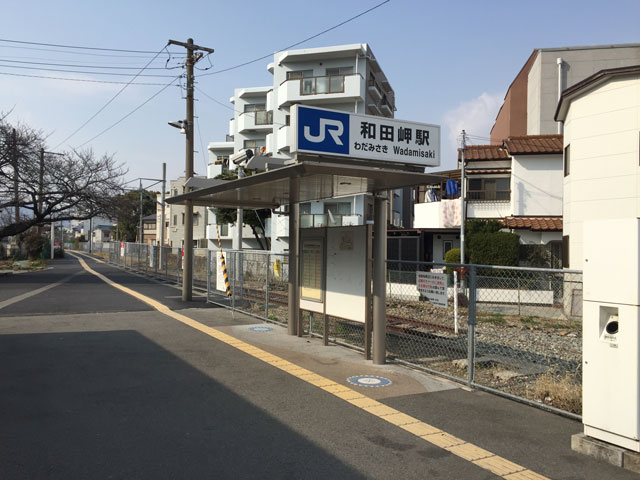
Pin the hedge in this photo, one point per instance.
(499, 248)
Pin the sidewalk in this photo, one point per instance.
(535, 439)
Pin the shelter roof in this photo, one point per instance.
(303, 182)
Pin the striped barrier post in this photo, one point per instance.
(223, 264)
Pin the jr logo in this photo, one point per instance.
(325, 125)
(323, 130)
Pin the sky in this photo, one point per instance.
(449, 63)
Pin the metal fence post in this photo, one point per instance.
(138, 269)
(208, 273)
(266, 290)
(233, 280)
(471, 327)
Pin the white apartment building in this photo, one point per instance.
(346, 78)
(175, 217)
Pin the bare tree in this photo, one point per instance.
(37, 187)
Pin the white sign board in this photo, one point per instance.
(220, 285)
(365, 137)
(433, 286)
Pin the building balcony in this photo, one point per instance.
(261, 120)
(283, 142)
(442, 214)
(374, 91)
(324, 220)
(321, 90)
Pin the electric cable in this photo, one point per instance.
(22, 42)
(77, 79)
(128, 114)
(111, 100)
(298, 43)
(137, 67)
(82, 71)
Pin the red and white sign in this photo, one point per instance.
(122, 249)
(433, 286)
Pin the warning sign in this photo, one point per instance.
(433, 286)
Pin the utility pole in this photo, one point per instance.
(463, 213)
(41, 181)
(193, 55)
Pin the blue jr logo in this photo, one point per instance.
(323, 131)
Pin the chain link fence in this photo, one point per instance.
(515, 331)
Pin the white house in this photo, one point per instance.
(346, 78)
(601, 117)
(518, 183)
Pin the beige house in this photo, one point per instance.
(601, 117)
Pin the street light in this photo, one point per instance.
(181, 124)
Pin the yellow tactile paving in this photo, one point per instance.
(498, 465)
(420, 429)
(467, 451)
(380, 410)
(525, 475)
(443, 439)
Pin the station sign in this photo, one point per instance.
(365, 137)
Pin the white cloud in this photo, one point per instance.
(475, 116)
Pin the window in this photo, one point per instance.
(339, 71)
(338, 208)
(287, 120)
(196, 219)
(175, 220)
(183, 219)
(446, 246)
(566, 160)
(254, 107)
(224, 229)
(299, 74)
(253, 143)
(305, 208)
(491, 189)
(262, 117)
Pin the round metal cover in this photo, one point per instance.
(369, 381)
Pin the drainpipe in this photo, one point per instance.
(561, 87)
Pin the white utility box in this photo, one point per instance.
(610, 331)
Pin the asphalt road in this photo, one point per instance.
(95, 383)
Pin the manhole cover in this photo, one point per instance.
(261, 329)
(369, 381)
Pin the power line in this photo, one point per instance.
(79, 47)
(90, 54)
(111, 100)
(80, 66)
(83, 71)
(298, 43)
(128, 114)
(76, 79)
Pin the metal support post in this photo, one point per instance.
(162, 219)
(379, 280)
(266, 287)
(208, 273)
(294, 235)
(471, 328)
